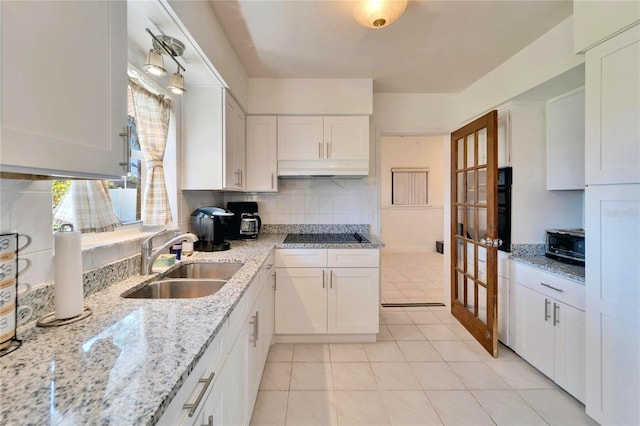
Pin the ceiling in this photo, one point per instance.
(435, 47)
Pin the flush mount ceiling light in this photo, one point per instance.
(378, 13)
(172, 47)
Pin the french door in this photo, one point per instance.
(474, 230)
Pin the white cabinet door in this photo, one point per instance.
(262, 161)
(535, 338)
(234, 147)
(203, 139)
(612, 109)
(613, 303)
(63, 87)
(235, 370)
(346, 138)
(565, 141)
(253, 367)
(266, 310)
(353, 300)
(300, 138)
(569, 357)
(504, 139)
(301, 301)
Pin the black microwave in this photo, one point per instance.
(566, 245)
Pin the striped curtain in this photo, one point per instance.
(152, 114)
(409, 186)
(87, 206)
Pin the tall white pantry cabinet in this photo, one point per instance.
(612, 204)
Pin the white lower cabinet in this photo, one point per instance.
(338, 296)
(550, 334)
(223, 386)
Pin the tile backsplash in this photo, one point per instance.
(316, 201)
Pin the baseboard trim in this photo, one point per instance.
(412, 305)
(325, 338)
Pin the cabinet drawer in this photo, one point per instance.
(559, 288)
(353, 258)
(301, 258)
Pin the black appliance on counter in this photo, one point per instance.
(245, 224)
(566, 245)
(209, 224)
(504, 207)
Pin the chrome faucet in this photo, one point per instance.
(149, 255)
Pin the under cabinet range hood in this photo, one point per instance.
(323, 168)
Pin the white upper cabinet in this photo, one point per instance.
(213, 134)
(262, 161)
(565, 141)
(235, 145)
(300, 138)
(64, 88)
(613, 109)
(504, 139)
(323, 145)
(346, 138)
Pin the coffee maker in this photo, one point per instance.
(245, 223)
(209, 224)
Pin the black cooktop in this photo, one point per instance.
(325, 238)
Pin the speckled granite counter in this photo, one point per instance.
(124, 363)
(573, 272)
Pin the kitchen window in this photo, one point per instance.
(409, 186)
(88, 204)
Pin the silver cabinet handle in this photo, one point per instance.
(210, 422)
(241, 178)
(547, 302)
(254, 322)
(556, 314)
(552, 287)
(323, 271)
(192, 407)
(328, 151)
(272, 186)
(319, 149)
(126, 164)
(331, 278)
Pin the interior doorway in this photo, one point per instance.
(412, 176)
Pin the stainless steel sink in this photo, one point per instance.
(220, 271)
(177, 289)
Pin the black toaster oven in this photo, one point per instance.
(566, 245)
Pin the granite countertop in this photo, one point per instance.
(573, 272)
(124, 363)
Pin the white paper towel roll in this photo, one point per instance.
(68, 290)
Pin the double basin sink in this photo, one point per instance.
(188, 281)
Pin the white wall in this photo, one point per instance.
(299, 96)
(545, 58)
(204, 27)
(413, 227)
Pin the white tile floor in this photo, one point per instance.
(425, 369)
(411, 276)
